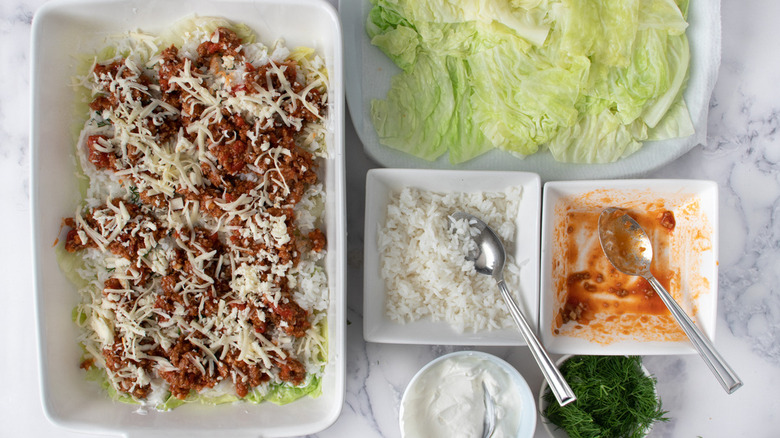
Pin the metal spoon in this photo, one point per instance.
(629, 249)
(489, 422)
(490, 260)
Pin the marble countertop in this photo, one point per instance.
(742, 155)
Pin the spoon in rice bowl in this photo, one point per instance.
(489, 259)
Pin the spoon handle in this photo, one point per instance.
(555, 380)
(723, 372)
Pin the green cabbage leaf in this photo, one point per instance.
(589, 80)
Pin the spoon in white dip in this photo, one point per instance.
(489, 423)
(629, 249)
(489, 260)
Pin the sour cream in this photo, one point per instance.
(445, 399)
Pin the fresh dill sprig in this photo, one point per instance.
(135, 196)
(615, 399)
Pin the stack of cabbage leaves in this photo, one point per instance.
(588, 80)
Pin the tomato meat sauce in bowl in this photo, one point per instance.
(599, 287)
(586, 303)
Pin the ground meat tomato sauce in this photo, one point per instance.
(252, 174)
(602, 288)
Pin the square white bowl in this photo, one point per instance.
(61, 32)
(380, 184)
(632, 194)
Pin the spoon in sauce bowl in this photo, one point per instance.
(629, 249)
(489, 259)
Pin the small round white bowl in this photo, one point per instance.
(527, 420)
(554, 431)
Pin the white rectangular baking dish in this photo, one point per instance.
(61, 31)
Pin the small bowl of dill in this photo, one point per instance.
(616, 397)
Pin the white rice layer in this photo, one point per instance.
(424, 266)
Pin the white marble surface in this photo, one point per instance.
(742, 155)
